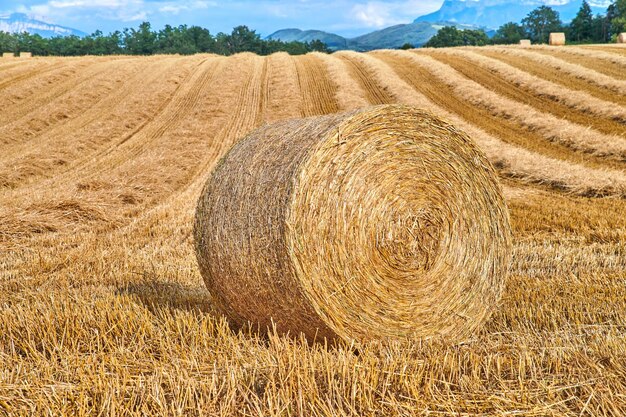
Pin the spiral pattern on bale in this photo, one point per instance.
(381, 223)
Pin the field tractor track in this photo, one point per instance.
(318, 92)
(375, 94)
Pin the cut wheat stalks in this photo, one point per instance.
(578, 100)
(557, 39)
(552, 128)
(350, 95)
(511, 160)
(590, 53)
(381, 223)
(578, 71)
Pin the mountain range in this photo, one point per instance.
(494, 13)
(19, 22)
(416, 34)
(465, 14)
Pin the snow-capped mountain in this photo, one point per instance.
(494, 13)
(19, 22)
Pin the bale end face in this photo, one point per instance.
(381, 223)
(621, 38)
(557, 39)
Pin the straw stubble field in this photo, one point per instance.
(103, 310)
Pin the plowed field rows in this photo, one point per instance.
(103, 311)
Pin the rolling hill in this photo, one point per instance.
(392, 37)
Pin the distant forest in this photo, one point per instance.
(184, 40)
(537, 26)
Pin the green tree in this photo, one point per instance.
(319, 46)
(242, 39)
(581, 28)
(407, 46)
(509, 33)
(451, 36)
(142, 41)
(445, 37)
(540, 22)
(600, 29)
(616, 14)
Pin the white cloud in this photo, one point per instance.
(175, 8)
(376, 15)
(379, 14)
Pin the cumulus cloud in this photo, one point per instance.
(378, 14)
(346, 17)
(177, 7)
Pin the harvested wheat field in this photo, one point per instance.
(103, 309)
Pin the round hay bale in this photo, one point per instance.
(380, 223)
(557, 39)
(621, 38)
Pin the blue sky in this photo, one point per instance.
(340, 16)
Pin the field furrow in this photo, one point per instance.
(349, 93)
(616, 49)
(75, 104)
(405, 82)
(114, 119)
(139, 172)
(575, 106)
(560, 66)
(611, 65)
(374, 93)
(569, 81)
(27, 71)
(318, 92)
(104, 311)
(579, 135)
(55, 87)
(284, 99)
(477, 106)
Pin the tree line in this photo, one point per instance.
(537, 26)
(183, 39)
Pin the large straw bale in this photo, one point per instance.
(525, 42)
(381, 223)
(8, 55)
(26, 55)
(621, 38)
(557, 39)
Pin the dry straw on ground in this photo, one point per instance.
(557, 39)
(380, 223)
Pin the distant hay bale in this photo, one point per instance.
(26, 55)
(557, 39)
(525, 42)
(8, 55)
(381, 223)
(621, 38)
